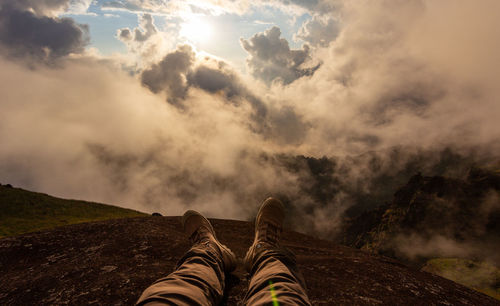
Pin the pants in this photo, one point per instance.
(199, 280)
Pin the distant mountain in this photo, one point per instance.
(111, 262)
(23, 211)
(465, 211)
(434, 221)
(352, 185)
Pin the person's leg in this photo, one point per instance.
(275, 278)
(199, 277)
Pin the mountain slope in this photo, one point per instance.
(23, 211)
(112, 262)
(450, 227)
(465, 213)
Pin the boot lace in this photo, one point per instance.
(200, 236)
(270, 233)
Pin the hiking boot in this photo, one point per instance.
(200, 231)
(268, 228)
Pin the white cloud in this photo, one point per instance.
(145, 42)
(79, 6)
(272, 60)
(319, 31)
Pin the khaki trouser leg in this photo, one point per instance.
(198, 280)
(275, 278)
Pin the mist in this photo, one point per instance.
(398, 84)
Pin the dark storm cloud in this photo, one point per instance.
(22, 33)
(272, 59)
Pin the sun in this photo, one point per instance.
(196, 30)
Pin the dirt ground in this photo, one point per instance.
(112, 262)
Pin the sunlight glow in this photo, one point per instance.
(196, 30)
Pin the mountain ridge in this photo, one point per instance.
(463, 210)
(448, 226)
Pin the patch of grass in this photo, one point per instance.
(479, 275)
(23, 211)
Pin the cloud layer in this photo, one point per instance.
(189, 131)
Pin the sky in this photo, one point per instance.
(164, 106)
(215, 32)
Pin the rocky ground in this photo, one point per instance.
(111, 262)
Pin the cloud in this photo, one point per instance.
(23, 33)
(414, 246)
(146, 43)
(37, 7)
(319, 31)
(122, 5)
(277, 122)
(182, 71)
(312, 6)
(169, 74)
(409, 75)
(94, 132)
(272, 59)
(79, 6)
(442, 230)
(217, 77)
(389, 79)
(144, 32)
(218, 7)
(148, 6)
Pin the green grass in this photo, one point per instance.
(23, 211)
(478, 275)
